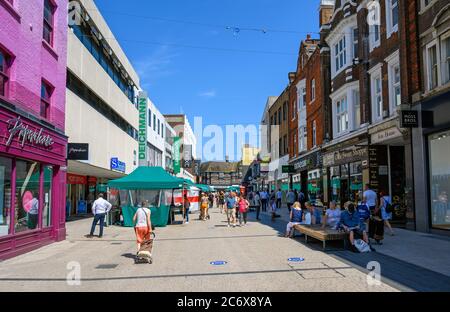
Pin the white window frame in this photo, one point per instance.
(424, 7)
(445, 76)
(355, 42)
(372, 42)
(303, 97)
(337, 53)
(390, 28)
(313, 90)
(435, 43)
(341, 114)
(376, 74)
(393, 61)
(356, 103)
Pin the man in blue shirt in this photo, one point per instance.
(351, 223)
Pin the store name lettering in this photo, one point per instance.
(24, 134)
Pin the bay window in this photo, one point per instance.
(49, 11)
(342, 115)
(357, 112)
(446, 59)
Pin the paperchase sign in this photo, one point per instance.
(25, 135)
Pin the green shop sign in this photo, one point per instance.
(176, 155)
(142, 102)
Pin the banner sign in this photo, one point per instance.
(142, 104)
(176, 155)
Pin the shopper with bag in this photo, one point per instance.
(143, 227)
(386, 210)
(243, 210)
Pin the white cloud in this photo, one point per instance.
(208, 94)
(155, 66)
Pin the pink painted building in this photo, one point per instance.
(33, 147)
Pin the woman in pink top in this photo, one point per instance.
(243, 209)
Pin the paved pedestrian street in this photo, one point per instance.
(256, 256)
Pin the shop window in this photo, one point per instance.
(27, 196)
(49, 11)
(5, 195)
(439, 145)
(47, 208)
(4, 77)
(46, 96)
(335, 177)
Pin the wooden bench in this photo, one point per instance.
(322, 234)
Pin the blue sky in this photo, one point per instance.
(223, 87)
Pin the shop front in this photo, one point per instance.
(345, 172)
(389, 167)
(433, 183)
(308, 168)
(32, 192)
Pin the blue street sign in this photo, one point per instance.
(218, 263)
(296, 259)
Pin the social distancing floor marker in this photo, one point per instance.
(218, 263)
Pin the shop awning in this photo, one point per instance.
(204, 188)
(147, 178)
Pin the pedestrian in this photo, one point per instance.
(370, 198)
(33, 213)
(290, 198)
(187, 207)
(332, 217)
(376, 225)
(264, 200)
(257, 202)
(143, 225)
(302, 198)
(279, 198)
(231, 204)
(386, 210)
(296, 196)
(350, 222)
(204, 204)
(99, 208)
(295, 217)
(309, 214)
(221, 201)
(243, 210)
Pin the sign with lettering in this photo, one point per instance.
(345, 157)
(387, 134)
(142, 105)
(288, 169)
(26, 135)
(78, 151)
(76, 179)
(409, 119)
(118, 165)
(176, 155)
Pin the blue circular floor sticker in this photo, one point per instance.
(217, 263)
(296, 259)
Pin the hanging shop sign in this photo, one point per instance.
(78, 151)
(409, 119)
(25, 135)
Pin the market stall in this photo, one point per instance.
(152, 184)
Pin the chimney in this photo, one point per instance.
(326, 11)
(308, 37)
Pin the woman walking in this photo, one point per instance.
(376, 225)
(204, 207)
(385, 203)
(187, 207)
(296, 217)
(243, 210)
(143, 225)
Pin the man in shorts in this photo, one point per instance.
(231, 204)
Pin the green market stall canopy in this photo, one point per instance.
(147, 178)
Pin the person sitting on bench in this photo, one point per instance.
(351, 223)
(296, 217)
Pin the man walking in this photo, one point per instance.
(279, 198)
(290, 198)
(257, 203)
(99, 208)
(370, 198)
(231, 204)
(264, 198)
